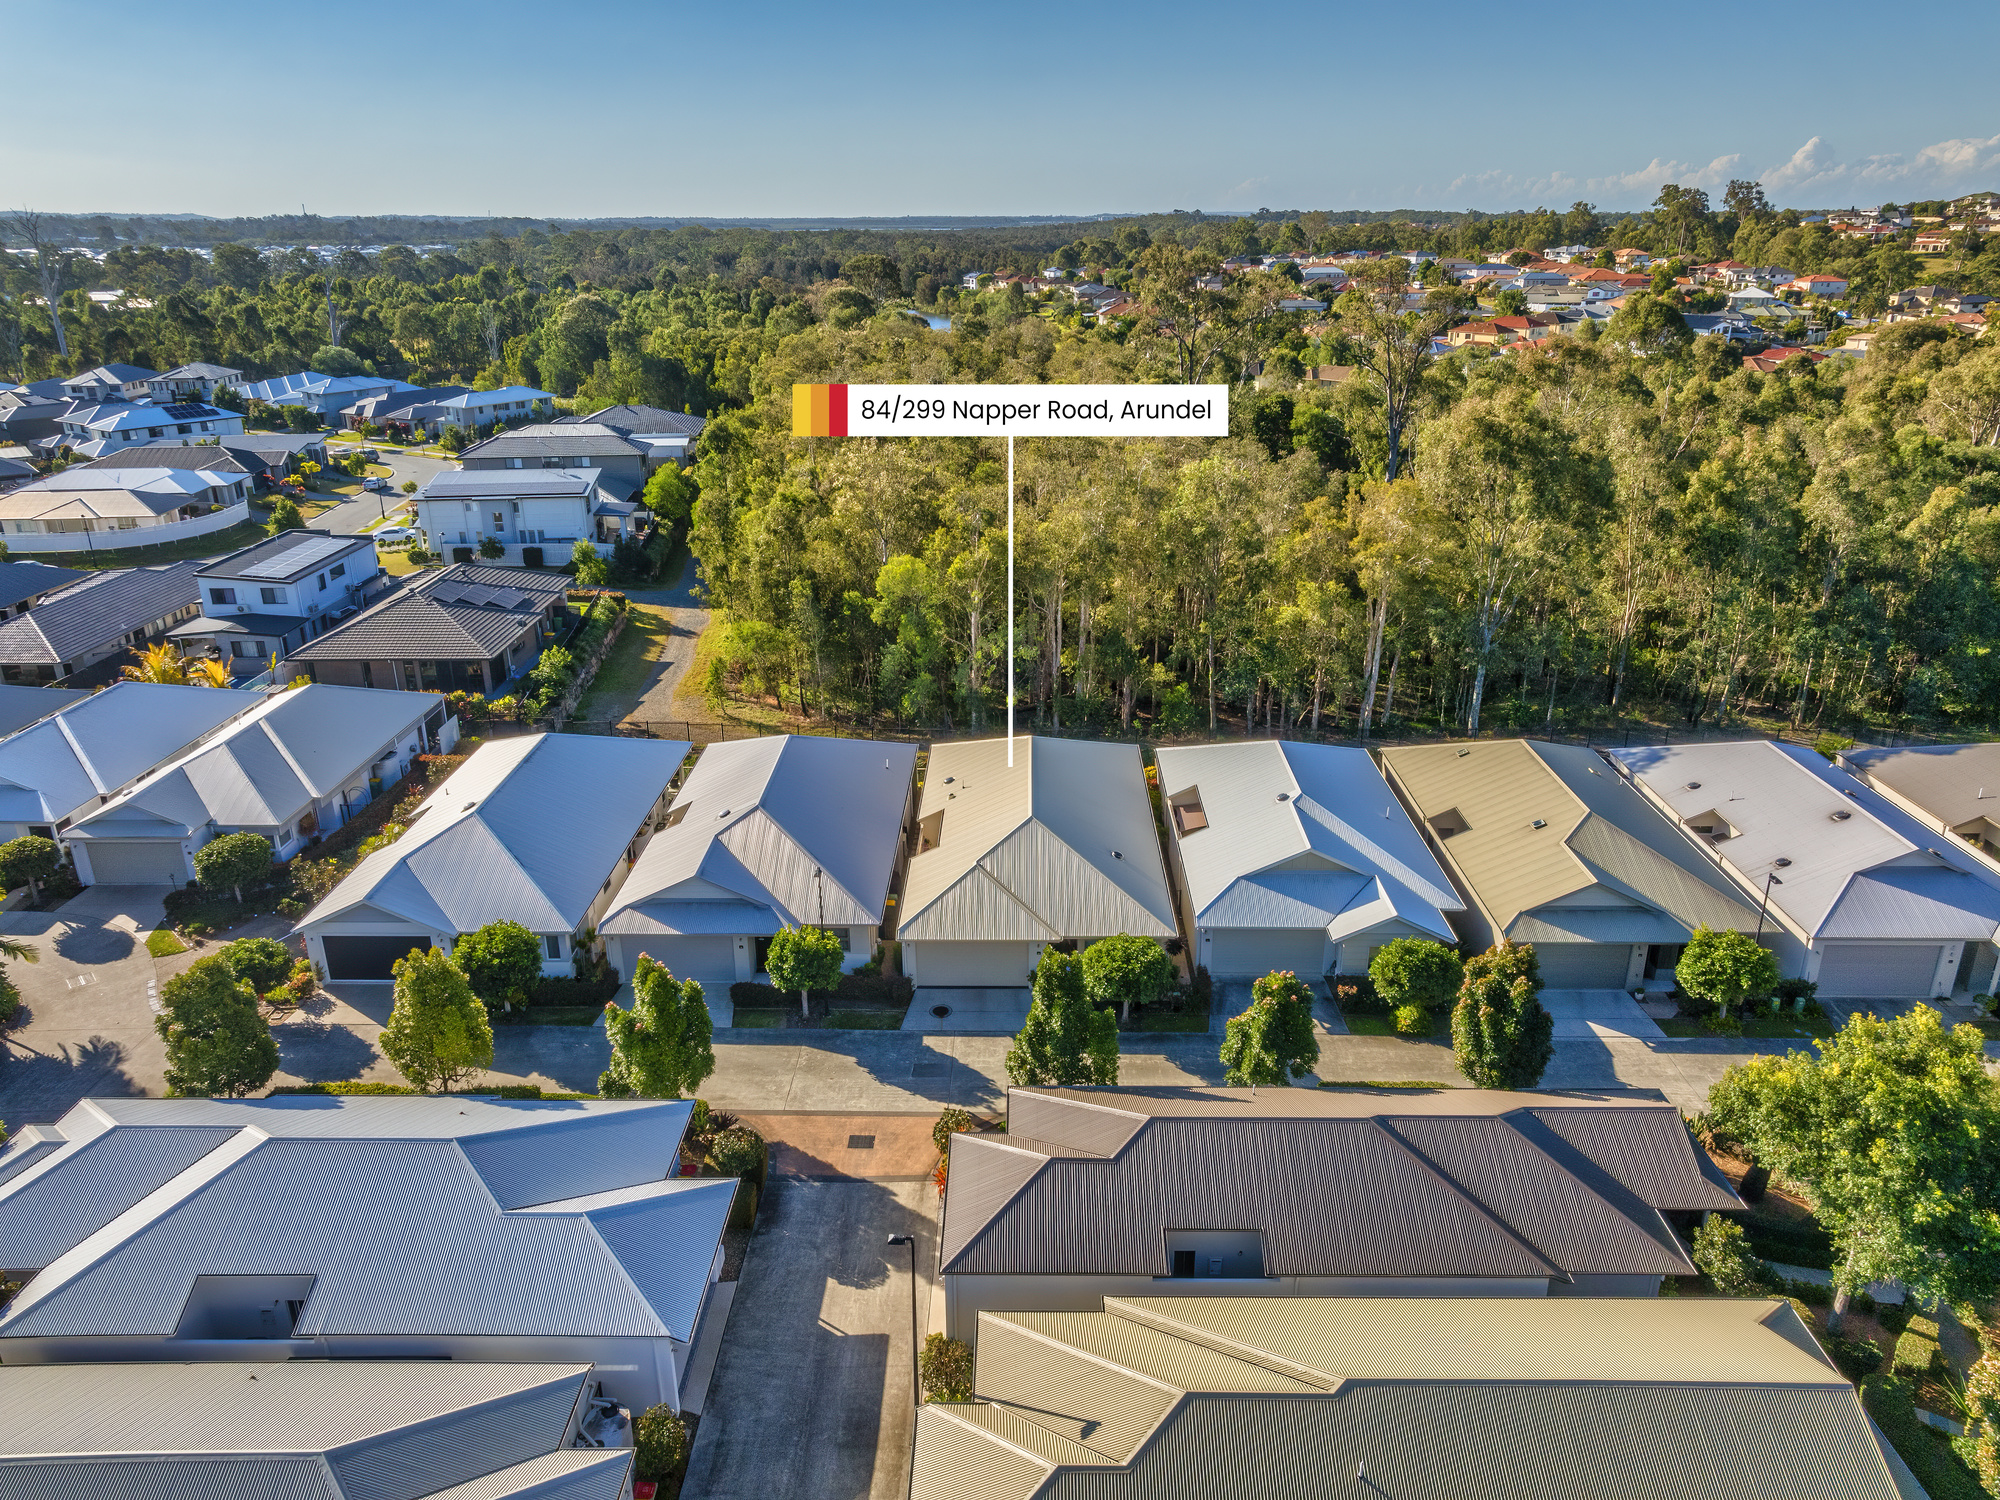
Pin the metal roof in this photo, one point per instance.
(1456, 1183)
(1060, 844)
(791, 829)
(458, 613)
(1951, 783)
(527, 830)
(283, 556)
(573, 441)
(473, 484)
(89, 749)
(1546, 829)
(1856, 865)
(22, 704)
(289, 750)
(430, 1217)
(640, 421)
(1301, 836)
(1422, 1399)
(168, 454)
(100, 608)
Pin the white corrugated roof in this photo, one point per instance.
(1302, 836)
(71, 758)
(1856, 865)
(423, 1217)
(527, 830)
(754, 822)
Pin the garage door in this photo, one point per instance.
(1879, 971)
(1258, 951)
(971, 965)
(1584, 966)
(136, 862)
(369, 957)
(710, 956)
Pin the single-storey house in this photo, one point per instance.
(13, 472)
(465, 627)
(1548, 846)
(89, 503)
(427, 1230)
(27, 418)
(1059, 847)
(783, 831)
(297, 766)
(538, 515)
(1946, 787)
(262, 600)
(1096, 1192)
(22, 705)
(507, 1431)
(270, 456)
(99, 617)
(193, 382)
(1234, 1398)
(171, 453)
(95, 745)
(663, 434)
(540, 830)
(405, 409)
(1855, 894)
(1296, 856)
(622, 464)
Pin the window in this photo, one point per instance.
(839, 932)
(338, 570)
(322, 583)
(513, 463)
(239, 649)
(367, 675)
(222, 596)
(1188, 813)
(1231, 1253)
(272, 596)
(554, 942)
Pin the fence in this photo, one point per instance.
(109, 539)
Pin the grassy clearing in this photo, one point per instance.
(620, 681)
(214, 544)
(162, 943)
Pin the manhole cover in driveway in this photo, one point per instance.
(940, 1011)
(931, 1070)
(861, 1143)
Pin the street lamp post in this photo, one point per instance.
(916, 1341)
(1769, 881)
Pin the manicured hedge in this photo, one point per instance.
(1892, 1403)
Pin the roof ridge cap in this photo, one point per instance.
(943, 1411)
(1380, 1122)
(89, 769)
(1249, 1354)
(1102, 1361)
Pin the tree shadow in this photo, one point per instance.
(570, 1057)
(93, 944)
(38, 1087)
(314, 1052)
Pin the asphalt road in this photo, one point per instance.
(348, 519)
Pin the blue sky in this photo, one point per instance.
(619, 107)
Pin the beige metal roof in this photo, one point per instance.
(1954, 784)
(1060, 844)
(1601, 860)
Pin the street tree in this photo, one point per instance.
(1125, 971)
(1728, 968)
(1272, 1042)
(1892, 1133)
(284, 516)
(1500, 1033)
(29, 860)
(804, 959)
(438, 1033)
(499, 961)
(233, 861)
(1066, 1040)
(217, 1040)
(662, 1048)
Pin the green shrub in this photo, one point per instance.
(1203, 988)
(566, 990)
(1857, 1358)
(261, 963)
(1797, 995)
(944, 1369)
(1356, 994)
(754, 996)
(1724, 1257)
(10, 1001)
(1412, 1020)
(660, 1444)
(953, 1121)
(1892, 1403)
(1917, 1349)
(1416, 972)
(739, 1152)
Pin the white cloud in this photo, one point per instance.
(1815, 168)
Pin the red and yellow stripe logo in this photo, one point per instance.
(819, 411)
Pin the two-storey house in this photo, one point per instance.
(262, 600)
(537, 515)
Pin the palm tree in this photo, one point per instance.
(25, 953)
(211, 671)
(160, 662)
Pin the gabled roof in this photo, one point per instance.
(292, 749)
(22, 704)
(1454, 1183)
(114, 375)
(784, 830)
(527, 830)
(103, 606)
(423, 1217)
(1061, 844)
(1954, 784)
(298, 1429)
(25, 580)
(288, 555)
(458, 613)
(1542, 825)
(89, 749)
(1300, 835)
(166, 454)
(199, 370)
(1282, 1398)
(1856, 866)
(473, 484)
(646, 421)
(128, 491)
(554, 440)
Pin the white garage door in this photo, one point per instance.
(1878, 971)
(1584, 966)
(136, 862)
(1258, 951)
(971, 965)
(706, 957)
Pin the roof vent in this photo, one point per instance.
(1117, 853)
(1842, 816)
(1782, 863)
(949, 780)
(1539, 823)
(723, 814)
(1694, 786)
(1284, 796)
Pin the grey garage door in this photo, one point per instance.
(357, 957)
(971, 965)
(1879, 971)
(137, 862)
(710, 956)
(1584, 966)
(1254, 950)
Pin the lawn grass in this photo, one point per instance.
(860, 1020)
(758, 1019)
(1759, 1028)
(161, 942)
(1167, 1020)
(242, 534)
(397, 562)
(620, 680)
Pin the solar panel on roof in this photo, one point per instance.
(185, 411)
(294, 559)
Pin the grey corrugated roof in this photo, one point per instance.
(644, 420)
(1060, 844)
(22, 704)
(92, 748)
(476, 483)
(571, 440)
(568, 1474)
(1951, 783)
(103, 606)
(528, 830)
(458, 613)
(205, 457)
(1421, 1399)
(755, 820)
(440, 1217)
(1409, 1186)
(47, 1212)
(285, 556)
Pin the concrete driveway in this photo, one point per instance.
(87, 1023)
(812, 1393)
(350, 518)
